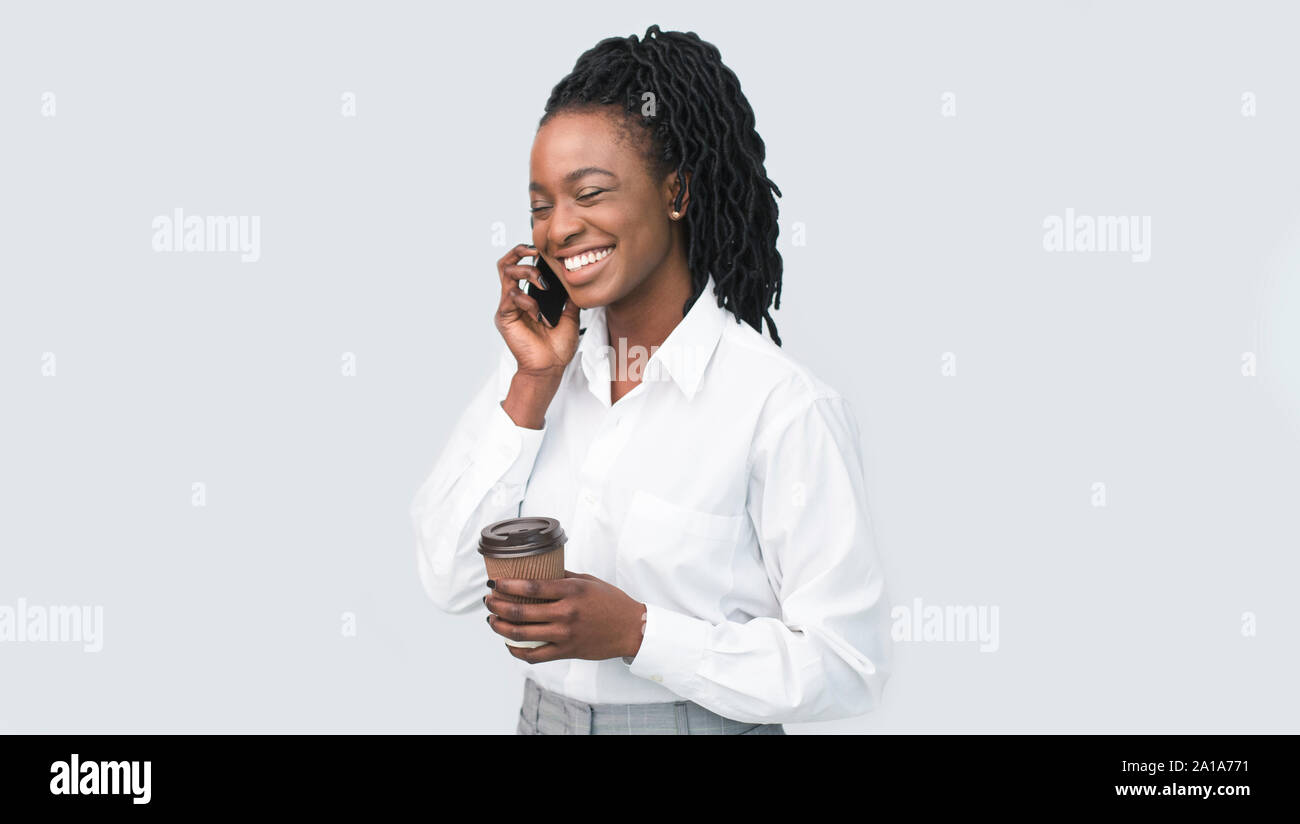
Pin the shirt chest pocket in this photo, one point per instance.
(677, 557)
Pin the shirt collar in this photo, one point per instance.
(684, 355)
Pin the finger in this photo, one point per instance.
(568, 574)
(549, 588)
(530, 273)
(514, 303)
(528, 305)
(540, 655)
(527, 632)
(516, 253)
(526, 613)
(507, 309)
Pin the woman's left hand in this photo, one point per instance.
(589, 619)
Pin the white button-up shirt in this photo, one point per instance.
(725, 491)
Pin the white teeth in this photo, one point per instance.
(578, 261)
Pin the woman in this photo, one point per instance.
(724, 575)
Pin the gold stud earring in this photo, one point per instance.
(676, 215)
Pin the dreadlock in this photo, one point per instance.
(699, 122)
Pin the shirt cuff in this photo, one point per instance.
(518, 446)
(672, 649)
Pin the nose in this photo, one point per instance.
(563, 226)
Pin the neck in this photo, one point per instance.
(646, 316)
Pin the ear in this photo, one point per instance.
(673, 185)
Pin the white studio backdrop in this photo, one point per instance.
(1086, 451)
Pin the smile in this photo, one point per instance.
(577, 262)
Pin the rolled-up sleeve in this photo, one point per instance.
(828, 654)
(480, 477)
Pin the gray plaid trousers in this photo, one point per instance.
(549, 713)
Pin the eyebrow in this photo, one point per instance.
(575, 175)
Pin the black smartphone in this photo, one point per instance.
(553, 297)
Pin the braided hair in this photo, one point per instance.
(676, 87)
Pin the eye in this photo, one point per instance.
(592, 194)
(536, 209)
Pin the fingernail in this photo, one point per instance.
(492, 584)
(488, 618)
(484, 600)
(542, 281)
(530, 246)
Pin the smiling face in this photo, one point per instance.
(599, 218)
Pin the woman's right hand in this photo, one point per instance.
(541, 350)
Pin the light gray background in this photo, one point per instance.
(924, 236)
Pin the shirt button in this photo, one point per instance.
(588, 498)
(657, 678)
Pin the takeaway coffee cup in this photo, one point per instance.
(531, 547)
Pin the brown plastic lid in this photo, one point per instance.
(515, 537)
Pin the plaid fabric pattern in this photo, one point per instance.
(549, 713)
